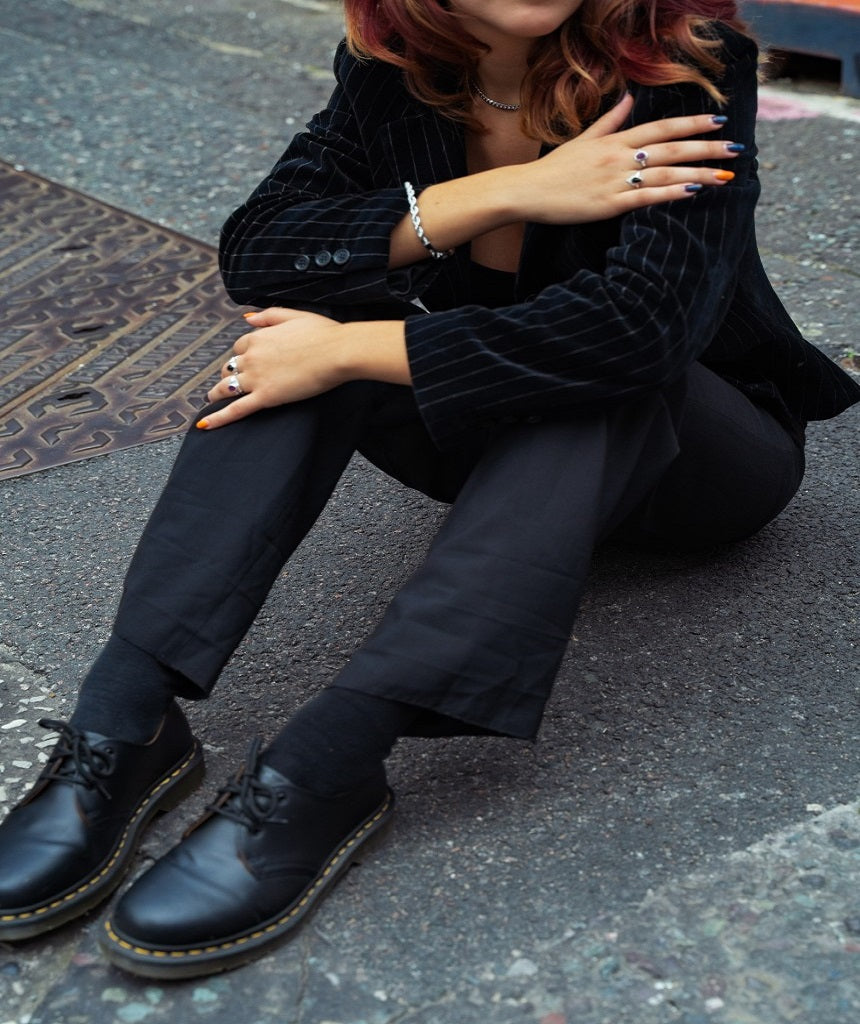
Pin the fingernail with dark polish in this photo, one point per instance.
(736, 147)
(719, 119)
(693, 188)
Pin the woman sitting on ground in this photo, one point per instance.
(510, 283)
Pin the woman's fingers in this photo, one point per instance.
(653, 133)
(664, 143)
(237, 410)
(669, 128)
(612, 121)
(231, 366)
(288, 356)
(257, 320)
(660, 177)
(665, 184)
(634, 199)
(231, 384)
(666, 153)
(270, 316)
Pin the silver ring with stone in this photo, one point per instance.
(233, 365)
(233, 385)
(635, 180)
(641, 157)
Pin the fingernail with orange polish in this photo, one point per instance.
(724, 175)
(252, 313)
(202, 424)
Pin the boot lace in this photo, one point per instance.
(74, 761)
(246, 799)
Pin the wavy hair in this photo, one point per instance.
(601, 47)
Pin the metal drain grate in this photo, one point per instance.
(111, 329)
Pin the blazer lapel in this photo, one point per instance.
(423, 148)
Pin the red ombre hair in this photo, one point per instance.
(604, 45)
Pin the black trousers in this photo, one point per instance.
(476, 636)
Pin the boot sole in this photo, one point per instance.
(198, 961)
(170, 790)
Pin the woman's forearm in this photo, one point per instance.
(454, 212)
(374, 350)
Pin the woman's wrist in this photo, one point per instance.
(476, 204)
(520, 191)
(373, 350)
(456, 211)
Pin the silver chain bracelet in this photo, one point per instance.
(436, 254)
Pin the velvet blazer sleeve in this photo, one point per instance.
(318, 228)
(634, 324)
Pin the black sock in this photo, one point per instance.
(338, 739)
(126, 693)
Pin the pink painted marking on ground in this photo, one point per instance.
(775, 108)
(843, 5)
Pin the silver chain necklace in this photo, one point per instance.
(493, 103)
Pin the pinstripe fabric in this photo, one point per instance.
(604, 311)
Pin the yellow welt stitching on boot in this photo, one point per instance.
(178, 954)
(119, 849)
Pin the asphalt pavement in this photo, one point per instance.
(681, 844)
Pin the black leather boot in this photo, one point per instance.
(244, 876)
(67, 844)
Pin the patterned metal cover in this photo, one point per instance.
(111, 328)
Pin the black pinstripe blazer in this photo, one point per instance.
(602, 311)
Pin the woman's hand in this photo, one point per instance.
(586, 179)
(589, 178)
(292, 355)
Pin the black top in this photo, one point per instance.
(490, 287)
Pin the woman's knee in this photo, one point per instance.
(737, 469)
